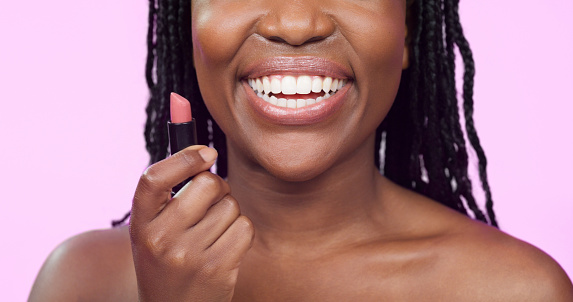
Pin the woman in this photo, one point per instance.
(299, 210)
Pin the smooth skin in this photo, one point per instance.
(323, 224)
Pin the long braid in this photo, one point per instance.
(417, 111)
(462, 179)
(469, 74)
(453, 167)
(433, 156)
(151, 58)
(151, 78)
(425, 149)
(456, 151)
(175, 51)
(160, 93)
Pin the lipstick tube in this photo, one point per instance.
(181, 130)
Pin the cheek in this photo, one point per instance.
(218, 30)
(376, 31)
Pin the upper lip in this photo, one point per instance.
(293, 65)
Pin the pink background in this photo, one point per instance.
(73, 97)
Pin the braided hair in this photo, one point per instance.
(421, 140)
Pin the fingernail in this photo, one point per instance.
(208, 154)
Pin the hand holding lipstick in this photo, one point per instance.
(189, 247)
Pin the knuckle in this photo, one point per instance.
(210, 182)
(220, 269)
(151, 179)
(177, 257)
(245, 226)
(210, 269)
(231, 206)
(156, 243)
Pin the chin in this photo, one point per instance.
(294, 170)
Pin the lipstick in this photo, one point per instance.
(181, 129)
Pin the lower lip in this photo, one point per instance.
(306, 115)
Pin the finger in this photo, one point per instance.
(191, 203)
(154, 187)
(216, 221)
(232, 246)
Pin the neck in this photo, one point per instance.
(328, 210)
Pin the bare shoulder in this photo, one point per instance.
(510, 269)
(472, 261)
(493, 266)
(94, 266)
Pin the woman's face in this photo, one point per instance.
(294, 48)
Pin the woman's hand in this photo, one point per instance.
(189, 247)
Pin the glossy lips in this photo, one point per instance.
(296, 90)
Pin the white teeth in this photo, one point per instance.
(334, 85)
(266, 85)
(288, 85)
(291, 103)
(295, 85)
(316, 84)
(275, 85)
(326, 84)
(303, 85)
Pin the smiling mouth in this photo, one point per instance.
(289, 91)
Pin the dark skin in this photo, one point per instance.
(323, 224)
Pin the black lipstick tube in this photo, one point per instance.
(181, 136)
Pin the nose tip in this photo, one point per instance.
(295, 23)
